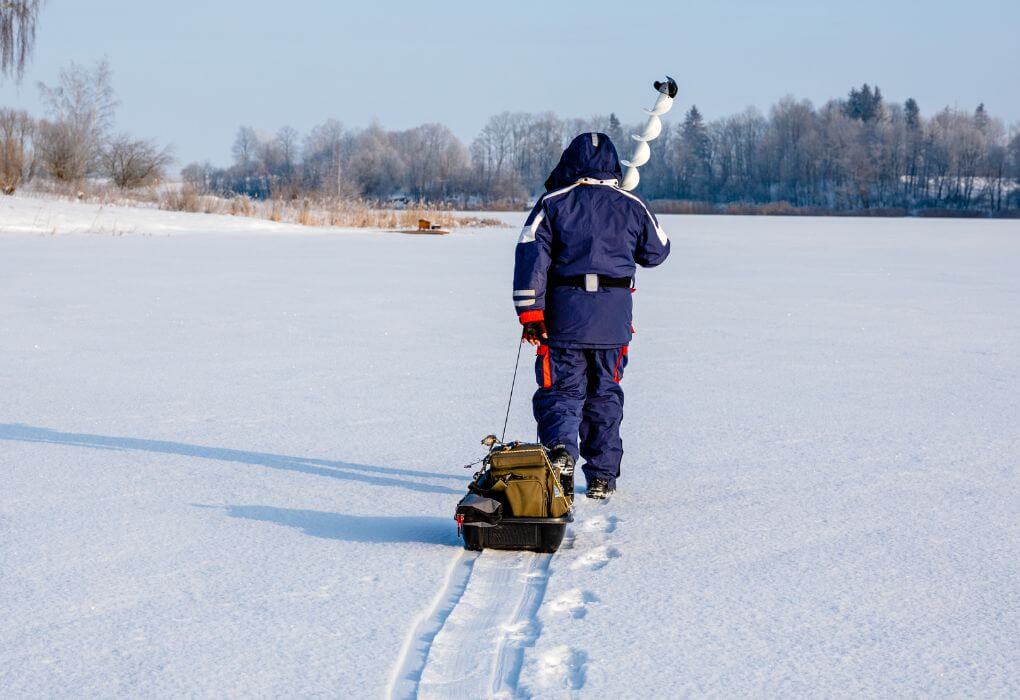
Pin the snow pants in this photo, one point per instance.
(580, 397)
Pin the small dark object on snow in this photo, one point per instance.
(599, 489)
(516, 501)
(425, 226)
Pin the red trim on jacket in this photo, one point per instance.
(531, 316)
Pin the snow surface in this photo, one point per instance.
(229, 465)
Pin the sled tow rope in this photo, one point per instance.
(512, 384)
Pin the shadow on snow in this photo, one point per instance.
(377, 476)
(352, 528)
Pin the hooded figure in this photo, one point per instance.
(573, 279)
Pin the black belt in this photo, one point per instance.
(578, 281)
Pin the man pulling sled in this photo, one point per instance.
(573, 279)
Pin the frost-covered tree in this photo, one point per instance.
(842, 156)
(914, 145)
(1012, 170)
(325, 152)
(492, 153)
(287, 141)
(375, 164)
(80, 111)
(435, 160)
(245, 147)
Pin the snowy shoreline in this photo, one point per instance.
(35, 214)
(49, 215)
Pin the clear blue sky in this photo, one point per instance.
(191, 72)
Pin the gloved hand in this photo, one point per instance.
(534, 332)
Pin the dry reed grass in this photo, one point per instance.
(308, 211)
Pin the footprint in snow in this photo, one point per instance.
(601, 523)
(596, 558)
(575, 602)
(562, 667)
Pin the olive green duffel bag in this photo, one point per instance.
(521, 476)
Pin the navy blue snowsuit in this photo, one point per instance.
(575, 262)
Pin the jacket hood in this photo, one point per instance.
(588, 155)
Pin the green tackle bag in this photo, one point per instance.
(521, 476)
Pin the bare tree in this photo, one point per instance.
(493, 154)
(245, 146)
(269, 155)
(16, 129)
(133, 163)
(287, 140)
(1013, 165)
(81, 109)
(17, 34)
(545, 144)
(325, 151)
(491, 148)
(434, 159)
(199, 176)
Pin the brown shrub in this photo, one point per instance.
(16, 130)
(240, 206)
(185, 198)
(132, 163)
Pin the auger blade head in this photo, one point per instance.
(667, 86)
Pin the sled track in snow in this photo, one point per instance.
(470, 642)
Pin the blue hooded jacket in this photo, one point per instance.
(584, 226)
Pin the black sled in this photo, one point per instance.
(518, 500)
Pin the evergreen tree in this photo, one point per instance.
(912, 113)
(981, 118)
(915, 140)
(864, 104)
(615, 131)
(695, 155)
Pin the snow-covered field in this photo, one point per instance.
(228, 465)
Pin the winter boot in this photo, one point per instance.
(562, 461)
(599, 489)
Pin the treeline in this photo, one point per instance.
(504, 165)
(857, 153)
(427, 163)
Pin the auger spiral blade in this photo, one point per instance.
(667, 90)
